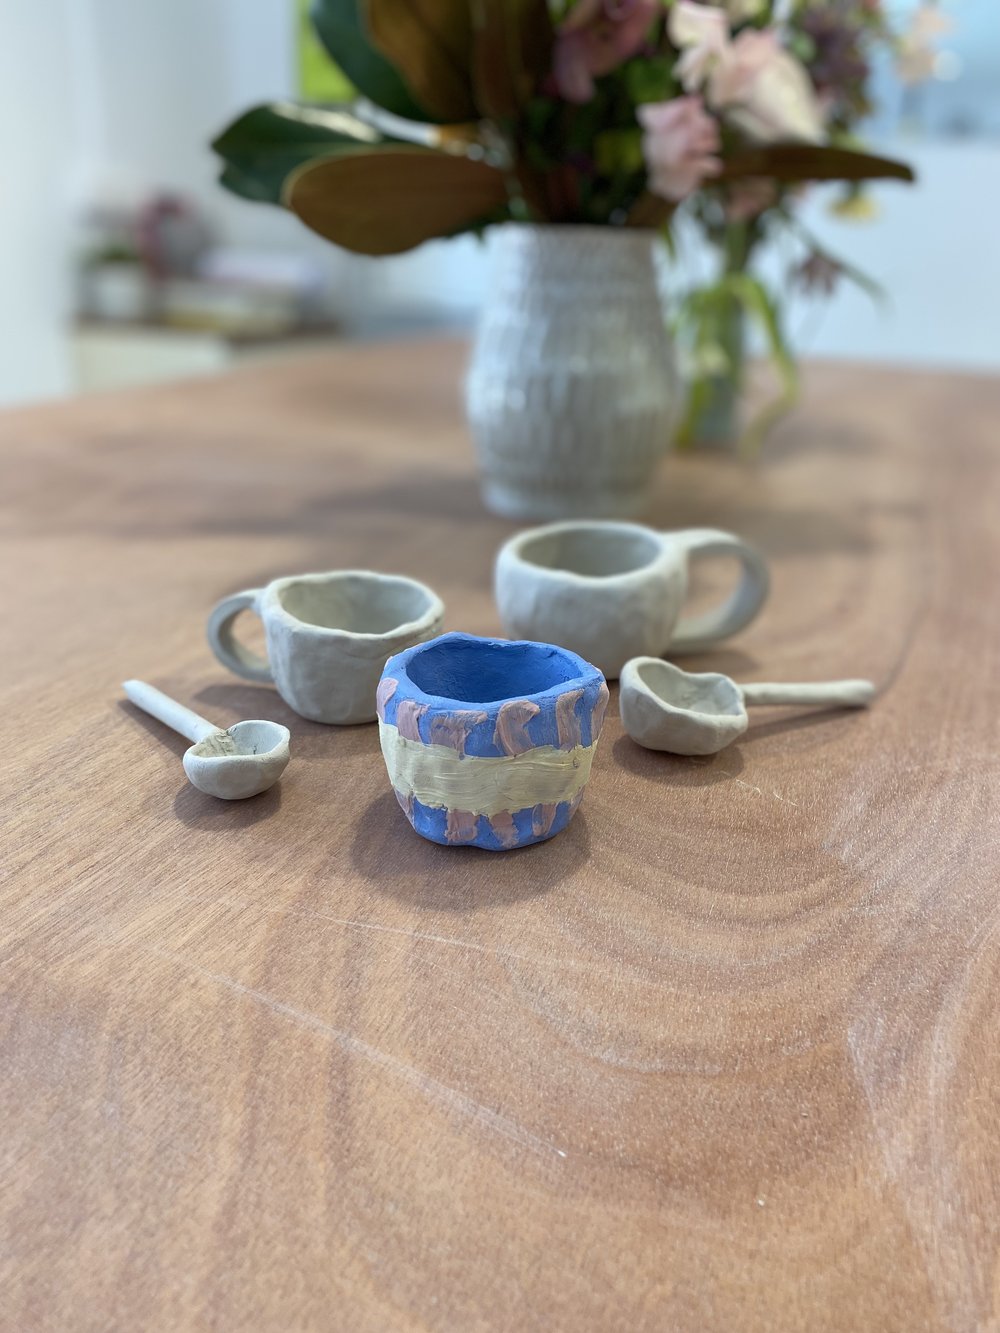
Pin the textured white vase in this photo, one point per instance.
(572, 392)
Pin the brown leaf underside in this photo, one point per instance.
(386, 201)
(430, 43)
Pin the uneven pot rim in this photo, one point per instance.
(271, 599)
(579, 673)
(512, 552)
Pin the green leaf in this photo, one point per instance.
(268, 143)
(704, 312)
(247, 187)
(759, 305)
(430, 43)
(512, 52)
(619, 152)
(320, 78)
(802, 162)
(385, 200)
(651, 79)
(340, 26)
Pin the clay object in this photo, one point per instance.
(489, 743)
(573, 391)
(328, 637)
(231, 763)
(611, 591)
(683, 712)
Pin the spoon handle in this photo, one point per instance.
(168, 711)
(843, 693)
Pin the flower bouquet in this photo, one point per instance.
(585, 124)
(837, 44)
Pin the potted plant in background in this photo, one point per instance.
(572, 124)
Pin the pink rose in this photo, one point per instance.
(680, 144)
(701, 34)
(766, 91)
(595, 38)
(763, 89)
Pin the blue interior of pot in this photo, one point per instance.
(487, 670)
(461, 684)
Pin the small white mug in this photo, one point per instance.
(328, 637)
(612, 591)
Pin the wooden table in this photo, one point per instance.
(722, 1056)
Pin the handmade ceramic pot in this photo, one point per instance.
(489, 743)
(572, 392)
(612, 591)
(328, 637)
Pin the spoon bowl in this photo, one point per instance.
(684, 712)
(243, 761)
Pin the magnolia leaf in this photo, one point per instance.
(246, 186)
(340, 26)
(512, 52)
(386, 200)
(430, 44)
(803, 161)
(268, 143)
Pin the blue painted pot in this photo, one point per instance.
(489, 743)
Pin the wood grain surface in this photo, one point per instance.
(722, 1056)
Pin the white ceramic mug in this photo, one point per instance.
(612, 591)
(328, 637)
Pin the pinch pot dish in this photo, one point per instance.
(487, 742)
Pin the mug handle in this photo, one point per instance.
(694, 633)
(224, 643)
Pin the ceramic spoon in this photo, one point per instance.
(665, 708)
(245, 760)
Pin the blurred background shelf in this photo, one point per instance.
(117, 355)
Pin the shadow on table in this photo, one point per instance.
(197, 810)
(401, 864)
(729, 661)
(159, 733)
(236, 700)
(432, 495)
(674, 770)
(677, 770)
(815, 717)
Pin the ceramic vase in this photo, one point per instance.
(572, 392)
(489, 743)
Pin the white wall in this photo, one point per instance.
(934, 250)
(36, 145)
(119, 98)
